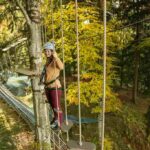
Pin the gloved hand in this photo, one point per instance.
(55, 55)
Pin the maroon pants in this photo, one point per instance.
(53, 97)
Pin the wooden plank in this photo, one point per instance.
(66, 127)
(74, 145)
(26, 72)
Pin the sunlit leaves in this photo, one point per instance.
(91, 53)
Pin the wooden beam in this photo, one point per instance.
(26, 72)
(14, 44)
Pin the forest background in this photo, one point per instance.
(128, 63)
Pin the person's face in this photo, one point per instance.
(48, 52)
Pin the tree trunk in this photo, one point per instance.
(136, 61)
(42, 124)
(41, 112)
(136, 73)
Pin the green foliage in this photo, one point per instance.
(143, 48)
(132, 116)
(108, 144)
(127, 128)
(136, 53)
(132, 11)
(91, 52)
(12, 29)
(136, 125)
(11, 21)
(91, 93)
(145, 43)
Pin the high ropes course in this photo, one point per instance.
(27, 114)
(55, 137)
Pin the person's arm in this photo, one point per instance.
(59, 63)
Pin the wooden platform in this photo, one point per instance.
(66, 127)
(74, 145)
(26, 72)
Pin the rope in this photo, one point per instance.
(78, 68)
(104, 79)
(52, 20)
(58, 109)
(53, 36)
(64, 71)
(57, 141)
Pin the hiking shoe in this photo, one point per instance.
(54, 125)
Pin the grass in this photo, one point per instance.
(14, 133)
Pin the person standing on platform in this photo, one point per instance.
(50, 78)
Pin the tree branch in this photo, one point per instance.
(24, 12)
(129, 25)
(14, 44)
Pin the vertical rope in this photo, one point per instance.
(104, 79)
(53, 36)
(58, 109)
(52, 20)
(78, 67)
(64, 71)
